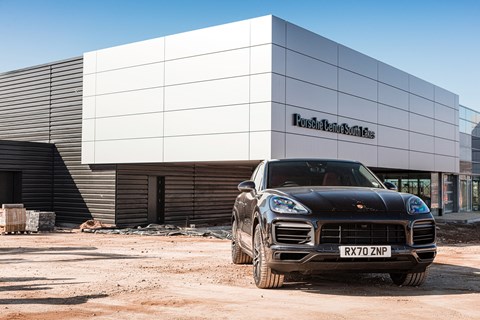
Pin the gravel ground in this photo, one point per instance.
(83, 275)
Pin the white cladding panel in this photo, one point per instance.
(357, 85)
(422, 124)
(311, 70)
(89, 83)
(129, 79)
(222, 92)
(129, 151)
(421, 106)
(218, 65)
(421, 142)
(392, 158)
(392, 76)
(421, 160)
(215, 147)
(392, 96)
(444, 97)
(311, 44)
(393, 117)
(299, 146)
(129, 127)
(392, 137)
(310, 96)
(261, 59)
(444, 113)
(207, 121)
(261, 87)
(230, 92)
(357, 108)
(367, 154)
(129, 102)
(421, 88)
(129, 55)
(88, 130)
(206, 41)
(88, 110)
(357, 62)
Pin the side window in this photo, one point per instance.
(258, 176)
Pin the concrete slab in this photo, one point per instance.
(459, 217)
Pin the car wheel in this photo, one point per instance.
(238, 256)
(262, 274)
(412, 279)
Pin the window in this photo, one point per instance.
(320, 173)
(258, 177)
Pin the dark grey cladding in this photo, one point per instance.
(44, 104)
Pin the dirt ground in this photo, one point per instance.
(73, 275)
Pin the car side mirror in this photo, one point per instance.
(390, 186)
(246, 186)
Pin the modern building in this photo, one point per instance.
(163, 130)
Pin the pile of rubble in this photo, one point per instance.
(220, 232)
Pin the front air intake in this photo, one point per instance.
(292, 233)
(423, 232)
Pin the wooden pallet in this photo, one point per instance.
(3, 231)
(12, 218)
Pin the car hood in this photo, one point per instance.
(347, 199)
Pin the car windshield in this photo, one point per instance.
(320, 173)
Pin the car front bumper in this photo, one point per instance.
(325, 258)
(313, 256)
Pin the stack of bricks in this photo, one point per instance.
(40, 221)
(12, 218)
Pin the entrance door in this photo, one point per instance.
(465, 201)
(156, 199)
(475, 195)
(10, 187)
(448, 193)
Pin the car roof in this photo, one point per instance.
(311, 159)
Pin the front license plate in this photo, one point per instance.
(365, 251)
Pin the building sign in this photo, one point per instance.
(325, 125)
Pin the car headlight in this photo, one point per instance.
(416, 205)
(285, 205)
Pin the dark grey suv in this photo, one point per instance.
(313, 216)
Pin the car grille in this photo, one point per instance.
(362, 233)
(423, 232)
(293, 233)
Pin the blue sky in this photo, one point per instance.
(437, 40)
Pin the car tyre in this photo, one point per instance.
(262, 274)
(238, 256)
(411, 279)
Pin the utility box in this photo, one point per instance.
(40, 221)
(12, 218)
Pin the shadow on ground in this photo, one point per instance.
(76, 253)
(24, 284)
(443, 279)
(75, 300)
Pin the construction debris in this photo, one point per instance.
(94, 225)
(40, 221)
(220, 232)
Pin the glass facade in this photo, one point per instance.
(415, 183)
(469, 179)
